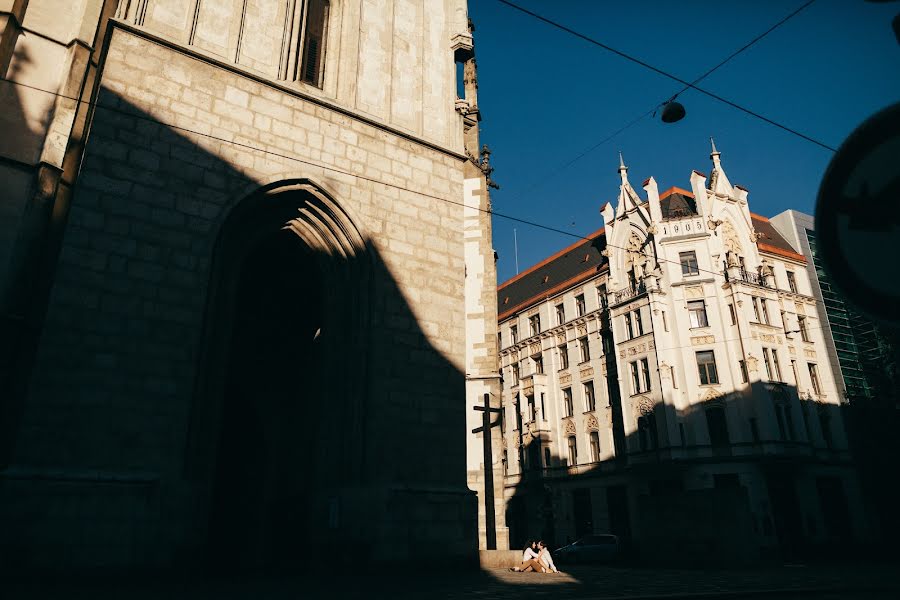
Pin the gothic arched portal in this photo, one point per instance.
(276, 423)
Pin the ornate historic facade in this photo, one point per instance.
(233, 264)
(668, 379)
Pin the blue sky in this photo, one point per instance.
(547, 96)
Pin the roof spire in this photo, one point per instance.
(623, 170)
(714, 155)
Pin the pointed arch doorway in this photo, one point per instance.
(276, 426)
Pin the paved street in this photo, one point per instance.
(829, 583)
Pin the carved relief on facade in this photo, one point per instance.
(535, 348)
(636, 349)
(560, 339)
(694, 291)
(533, 311)
(711, 395)
(732, 244)
(801, 308)
(701, 340)
(792, 350)
(529, 391)
(642, 405)
(569, 427)
(809, 353)
(664, 371)
(587, 372)
(582, 330)
(592, 423)
(565, 379)
(752, 363)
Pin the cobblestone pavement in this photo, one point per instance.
(827, 583)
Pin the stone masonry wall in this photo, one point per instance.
(114, 376)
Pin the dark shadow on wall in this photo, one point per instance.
(183, 413)
(225, 380)
(707, 486)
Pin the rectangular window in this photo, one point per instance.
(595, 446)
(589, 401)
(697, 310)
(499, 340)
(779, 418)
(755, 301)
(585, 349)
(732, 314)
(515, 374)
(601, 296)
(531, 409)
(745, 377)
(563, 357)
(560, 314)
(567, 402)
(754, 429)
(573, 451)
(312, 64)
(534, 324)
(689, 264)
(768, 362)
(776, 367)
(814, 378)
(765, 311)
(547, 457)
(538, 363)
(579, 304)
(801, 323)
(543, 408)
(629, 329)
(706, 363)
(718, 427)
(795, 373)
(665, 322)
(645, 371)
(635, 378)
(792, 282)
(514, 334)
(638, 326)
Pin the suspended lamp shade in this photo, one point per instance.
(672, 112)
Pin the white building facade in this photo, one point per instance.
(669, 377)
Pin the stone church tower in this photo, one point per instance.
(243, 281)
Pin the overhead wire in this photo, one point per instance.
(547, 176)
(147, 118)
(684, 82)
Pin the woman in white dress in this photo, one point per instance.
(530, 560)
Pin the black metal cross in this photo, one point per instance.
(490, 523)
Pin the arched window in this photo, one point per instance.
(312, 43)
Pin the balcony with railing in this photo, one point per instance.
(629, 293)
(746, 276)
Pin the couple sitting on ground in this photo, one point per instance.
(536, 557)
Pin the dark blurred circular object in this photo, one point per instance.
(858, 216)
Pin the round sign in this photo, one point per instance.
(858, 216)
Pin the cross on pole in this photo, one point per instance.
(490, 524)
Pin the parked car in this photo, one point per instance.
(590, 549)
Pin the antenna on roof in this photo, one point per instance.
(516, 246)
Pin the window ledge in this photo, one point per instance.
(706, 385)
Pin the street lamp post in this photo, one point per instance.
(490, 524)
